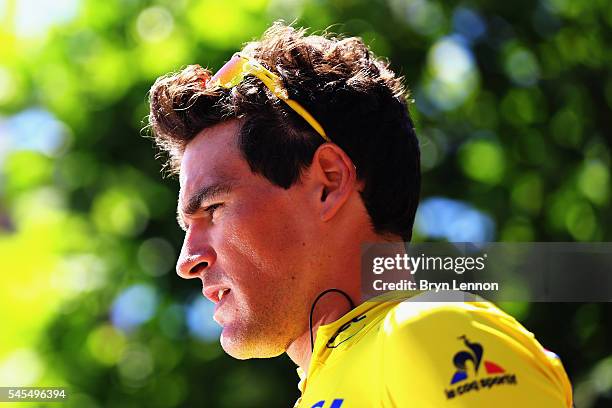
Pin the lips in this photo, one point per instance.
(221, 293)
(216, 293)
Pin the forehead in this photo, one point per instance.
(212, 156)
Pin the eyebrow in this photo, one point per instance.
(206, 193)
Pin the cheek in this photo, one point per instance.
(267, 236)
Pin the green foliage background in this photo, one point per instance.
(520, 127)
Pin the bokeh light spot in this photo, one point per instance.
(154, 24)
(106, 344)
(468, 23)
(581, 222)
(450, 61)
(594, 182)
(453, 220)
(134, 306)
(423, 16)
(200, 320)
(21, 368)
(35, 17)
(452, 75)
(521, 66)
(136, 365)
(120, 212)
(483, 160)
(527, 192)
(156, 256)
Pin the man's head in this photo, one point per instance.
(271, 211)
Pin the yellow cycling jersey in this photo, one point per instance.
(393, 351)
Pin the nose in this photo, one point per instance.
(195, 261)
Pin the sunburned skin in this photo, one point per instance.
(263, 253)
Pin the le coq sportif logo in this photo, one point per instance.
(467, 364)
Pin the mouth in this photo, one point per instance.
(216, 293)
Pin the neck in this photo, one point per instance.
(330, 307)
(333, 305)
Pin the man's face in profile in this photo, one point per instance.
(249, 241)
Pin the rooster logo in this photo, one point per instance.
(474, 355)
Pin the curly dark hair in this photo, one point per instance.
(354, 95)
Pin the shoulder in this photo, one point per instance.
(430, 329)
(422, 316)
(435, 351)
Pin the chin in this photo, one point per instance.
(243, 347)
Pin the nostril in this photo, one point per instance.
(197, 269)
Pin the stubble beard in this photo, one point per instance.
(264, 334)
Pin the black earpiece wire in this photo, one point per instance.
(313, 307)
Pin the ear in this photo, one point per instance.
(335, 176)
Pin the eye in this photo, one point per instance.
(210, 210)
